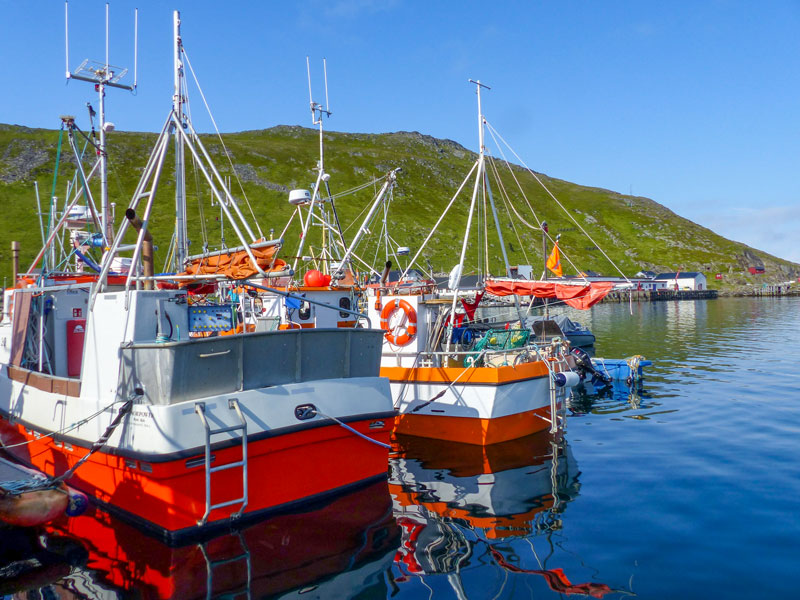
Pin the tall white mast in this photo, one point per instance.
(181, 246)
(482, 184)
(456, 275)
(102, 75)
(317, 112)
(108, 227)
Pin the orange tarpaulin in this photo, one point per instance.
(236, 265)
(577, 296)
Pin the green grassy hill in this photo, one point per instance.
(635, 232)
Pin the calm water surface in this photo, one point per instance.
(685, 487)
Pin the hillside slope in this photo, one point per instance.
(636, 233)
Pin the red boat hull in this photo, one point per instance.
(168, 497)
(286, 552)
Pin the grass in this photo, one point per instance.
(636, 233)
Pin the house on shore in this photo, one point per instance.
(687, 280)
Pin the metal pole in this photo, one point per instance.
(105, 225)
(391, 177)
(180, 179)
(503, 246)
(478, 180)
(544, 258)
(14, 262)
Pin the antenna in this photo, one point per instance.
(66, 35)
(93, 71)
(325, 70)
(317, 110)
(102, 75)
(310, 96)
(135, 46)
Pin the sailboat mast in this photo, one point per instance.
(181, 249)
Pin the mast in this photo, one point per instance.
(317, 112)
(181, 245)
(102, 75)
(544, 260)
(479, 176)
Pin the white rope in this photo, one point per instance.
(351, 430)
(527, 201)
(224, 147)
(507, 202)
(493, 131)
(511, 204)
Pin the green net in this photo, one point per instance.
(503, 339)
(497, 339)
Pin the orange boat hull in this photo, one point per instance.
(473, 430)
(167, 498)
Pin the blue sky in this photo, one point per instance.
(691, 103)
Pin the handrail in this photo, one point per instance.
(264, 288)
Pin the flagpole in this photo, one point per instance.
(544, 258)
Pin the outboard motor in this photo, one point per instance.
(584, 367)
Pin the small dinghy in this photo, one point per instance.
(622, 369)
(28, 498)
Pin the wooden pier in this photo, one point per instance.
(659, 295)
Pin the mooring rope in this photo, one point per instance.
(19, 487)
(351, 430)
(126, 408)
(67, 429)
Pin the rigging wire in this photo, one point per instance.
(507, 201)
(539, 228)
(224, 147)
(493, 131)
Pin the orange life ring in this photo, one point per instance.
(411, 327)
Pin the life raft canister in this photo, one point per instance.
(411, 327)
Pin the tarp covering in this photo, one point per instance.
(576, 296)
(565, 324)
(236, 265)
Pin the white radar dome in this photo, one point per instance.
(298, 197)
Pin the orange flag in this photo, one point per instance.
(554, 262)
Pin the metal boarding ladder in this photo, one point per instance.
(558, 418)
(213, 564)
(200, 409)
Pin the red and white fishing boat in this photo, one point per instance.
(144, 386)
(286, 554)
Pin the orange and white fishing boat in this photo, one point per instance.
(462, 505)
(513, 489)
(149, 391)
(452, 377)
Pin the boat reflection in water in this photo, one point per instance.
(340, 550)
(469, 513)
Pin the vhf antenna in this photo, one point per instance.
(95, 72)
(317, 110)
(103, 75)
